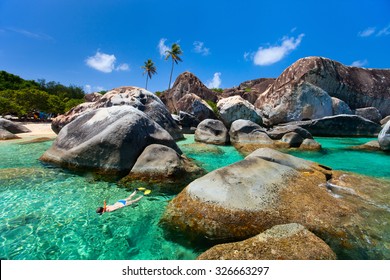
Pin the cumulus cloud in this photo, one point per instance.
(359, 63)
(215, 82)
(200, 48)
(367, 32)
(271, 55)
(162, 48)
(105, 63)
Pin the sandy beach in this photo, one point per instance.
(39, 132)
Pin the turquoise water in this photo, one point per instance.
(336, 153)
(49, 213)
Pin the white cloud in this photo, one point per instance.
(33, 35)
(384, 32)
(162, 48)
(215, 82)
(200, 48)
(105, 63)
(90, 89)
(359, 63)
(271, 55)
(367, 32)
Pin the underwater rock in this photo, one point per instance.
(212, 132)
(384, 137)
(138, 98)
(369, 146)
(236, 108)
(107, 140)
(281, 242)
(162, 166)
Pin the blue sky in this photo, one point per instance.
(102, 44)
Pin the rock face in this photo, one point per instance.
(235, 108)
(253, 195)
(186, 83)
(13, 127)
(339, 107)
(304, 89)
(341, 125)
(212, 132)
(196, 106)
(162, 167)
(384, 137)
(249, 90)
(138, 98)
(108, 140)
(369, 113)
(281, 242)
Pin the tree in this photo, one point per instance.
(150, 70)
(173, 53)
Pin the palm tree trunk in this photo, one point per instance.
(170, 78)
(147, 76)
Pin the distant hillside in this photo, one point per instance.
(23, 98)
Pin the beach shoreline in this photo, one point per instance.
(38, 131)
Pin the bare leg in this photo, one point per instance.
(128, 202)
(131, 196)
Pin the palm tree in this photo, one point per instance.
(150, 70)
(174, 53)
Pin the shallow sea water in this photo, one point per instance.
(47, 213)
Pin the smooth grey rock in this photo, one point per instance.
(339, 107)
(293, 139)
(108, 140)
(196, 106)
(385, 120)
(369, 113)
(13, 127)
(236, 108)
(188, 120)
(246, 131)
(384, 137)
(212, 132)
(310, 145)
(279, 131)
(6, 135)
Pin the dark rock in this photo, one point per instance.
(196, 106)
(188, 120)
(13, 127)
(384, 137)
(369, 113)
(339, 107)
(279, 131)
(138, 98)
(162, 167)
(341, 125)
(107, 140)
(212, 132)
(281, 242)
(293, 139)
(186, 83)
(236, 108)
(358, 87)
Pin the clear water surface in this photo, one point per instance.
(49, 213)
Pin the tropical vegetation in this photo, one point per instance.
(173, 53)
(150, 69)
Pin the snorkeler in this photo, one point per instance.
(120, 203)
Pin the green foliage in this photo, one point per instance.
(218, 90)
(248, 90)
(22, 98)
(158, 93)
(213, 106)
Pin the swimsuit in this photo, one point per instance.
(122, 201)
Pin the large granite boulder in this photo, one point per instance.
(384, 137)
(138, 98)
(108, 140)
(341, 125)
(246, 136)
(212, 132)
(249, 90)
(369, 113)
(13, 127)
(305, 101)
(339, 107)
(303, 86)
(281, 242)
(196, 106)
(236, 108)
(385, 120)
(6, 135)
(186, 83)
(162, 168)
(278, 132)
(269, 188)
